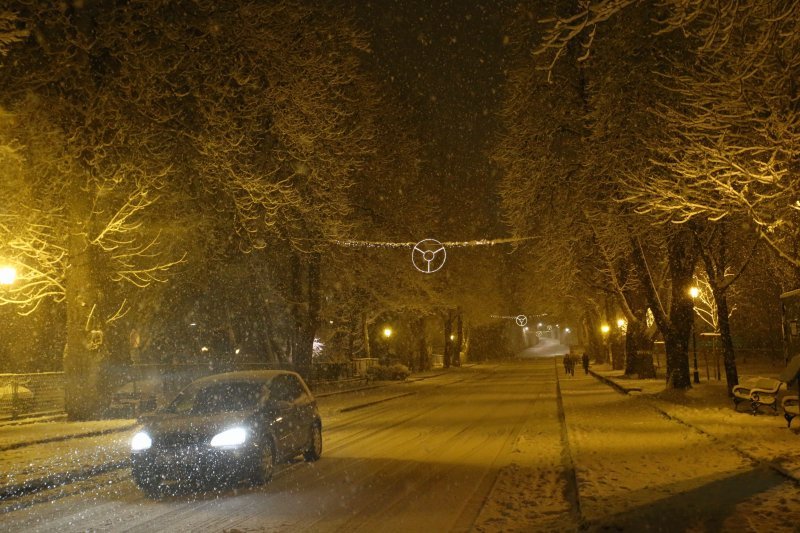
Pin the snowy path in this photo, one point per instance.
(544, 348)
(635, 467)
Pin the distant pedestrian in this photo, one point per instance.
(585, 361)
(569, 365)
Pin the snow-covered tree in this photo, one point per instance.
(255, 106)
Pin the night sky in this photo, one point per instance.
(446, 58)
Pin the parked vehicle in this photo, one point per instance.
(227, 427)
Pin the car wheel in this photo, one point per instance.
(147, 483)
(266, 462)
(314, 450)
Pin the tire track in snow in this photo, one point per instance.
(573, 494)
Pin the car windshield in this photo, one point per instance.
(218, 397)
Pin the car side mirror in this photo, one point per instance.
(276, 403)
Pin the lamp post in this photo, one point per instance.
(605, 329)
(622, 326)
(387, 335)
(694, 292)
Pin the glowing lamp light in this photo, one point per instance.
(694, 292)
(387, 332)
(452, 337)
(567, 330)
(621, 322)
(8, 275)
(605, 328)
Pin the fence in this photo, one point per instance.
(24, 395)
(145, 387)
(141, 388)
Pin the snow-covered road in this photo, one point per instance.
(514, 447)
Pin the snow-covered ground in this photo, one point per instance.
(512, 447)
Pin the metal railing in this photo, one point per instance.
(26, 395)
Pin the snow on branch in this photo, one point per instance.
(581, 26)
(10, 32)
(33, 250)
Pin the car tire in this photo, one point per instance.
(266, 462)
(314, 450)
(147, 483)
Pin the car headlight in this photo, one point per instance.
(230, 437)
(141, 441)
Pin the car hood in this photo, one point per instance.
(167, 429)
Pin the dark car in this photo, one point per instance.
(227, 427)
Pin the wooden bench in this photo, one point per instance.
(758, 391)
(791, 408)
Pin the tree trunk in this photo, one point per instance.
(729, 357)
(85, 351)
(467, 337)
(639, 351)
(418, 331)
(306, 313)
(675, 328)
(676, 340)
(595, 346)
(365, 335)
(459, 339)
(448, 330)
(351, 336)
(638, 345)
(230, 335)
(274, 350)
(85, 395)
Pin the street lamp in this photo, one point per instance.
(694, 292)
(387, 332)
(605, 329)
(8, 275)
(622, 326)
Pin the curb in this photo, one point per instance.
(32, 420)
(333, 393)
(60, 438)
(611, 383)
(410, 379)
(57, 480)
(422, 378)
(368, 404)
